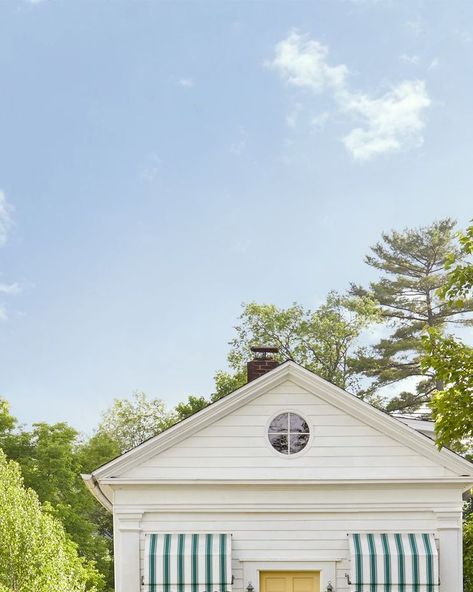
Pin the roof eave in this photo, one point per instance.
(94, 487)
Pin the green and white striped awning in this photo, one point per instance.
(393, 562)
(188, 563)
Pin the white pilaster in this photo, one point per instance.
(450, 537)
(127, 552)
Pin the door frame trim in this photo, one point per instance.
(252, 569)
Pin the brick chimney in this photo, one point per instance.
(262, 362)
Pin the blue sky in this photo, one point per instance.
(163, 162)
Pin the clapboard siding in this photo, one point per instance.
(321, 430)
(316, 461)
(284, 537)
(242, 420)
(313, 452)
(236, 446)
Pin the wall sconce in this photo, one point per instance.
(249, 588)
(329, 587)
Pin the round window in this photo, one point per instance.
(288, 433)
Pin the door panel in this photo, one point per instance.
(290, 581)
(303, 584)
(275, 583)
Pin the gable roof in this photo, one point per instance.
(289, 370)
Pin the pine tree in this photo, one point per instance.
(412, 266)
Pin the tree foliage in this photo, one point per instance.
(459, 285)
(227, 382)
(321, 340)
(452, 360)
(189, 407)
(52, 458)
(452, 405)
(412, 264)
(130, 422)
(35, 552)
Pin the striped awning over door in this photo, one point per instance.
(188, 563)
(393, 562)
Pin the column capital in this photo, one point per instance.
(129, 521)
(448, 520)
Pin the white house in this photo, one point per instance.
(289, 484)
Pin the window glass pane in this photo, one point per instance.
(298, 442)
(279, 442)
(279, 423)
(298, 424)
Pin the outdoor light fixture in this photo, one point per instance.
(250, 587)
(329, 587)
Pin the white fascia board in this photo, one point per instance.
(420, 424)
(327, 391)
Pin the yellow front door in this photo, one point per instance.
(290, 581)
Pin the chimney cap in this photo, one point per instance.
(264, 349)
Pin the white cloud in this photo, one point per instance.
(319, 121)
(5, 219)
(291, 119)
(10, 288)
(7, 289)
(409, 59)
(241, 246)
(391, 122)
(293, 116)
(151, 168)
(239, 145)
(416, 27)
(464, 35)
(388, 123)
(5, 224)
(434, 64)
(302, 62)
(186, 82)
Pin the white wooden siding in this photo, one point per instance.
(236, 447)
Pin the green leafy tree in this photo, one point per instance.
(450, 359)
(459, 285)
(7, 421)
(189, 407)
(35, 552)
(321, 340)
(51, 460)
(129, 422)
(412, 266)
(91, 454)
(227, 382)
(452, 405)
